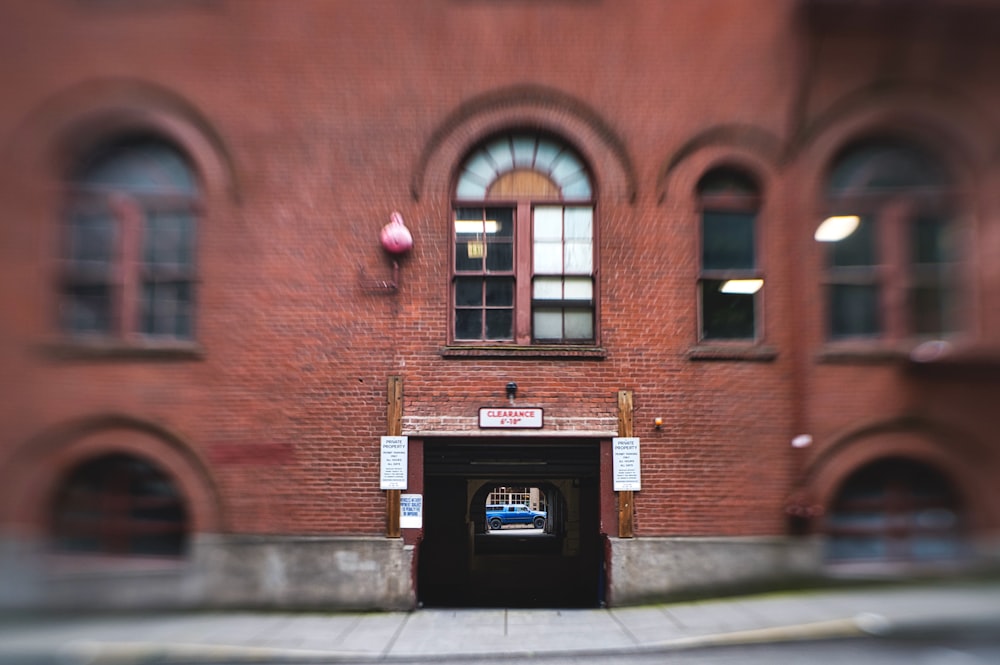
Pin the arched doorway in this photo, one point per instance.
(895, 510)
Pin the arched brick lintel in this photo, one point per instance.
(944, 448)
(70, 121)
(34, 471)
(525, 107)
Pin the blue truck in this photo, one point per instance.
(498, 516)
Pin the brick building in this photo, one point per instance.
(763, 243)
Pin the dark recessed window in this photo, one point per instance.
(891, 268)
(128, 258)
(730, 285)
(119, 505)
(894, 510)
(524, 245)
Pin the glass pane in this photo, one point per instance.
(468, 324)
(470, 189)
(545, 155)
(499, 256)
(579, 223)
(139, 165)
(86, 308)
(854, 311)
(548, 288)
(167, 239)
(481, 168)
(548, 258)
(578, 257)
(577, 190)
(579, 324)
(932, 310)
(578, 288)
(566, 167)
(727, 241)
(726, 315)
(547, 324)
(931, 243)
(500, 292)
(468, 292)
(92, 238)
(500, 152)
(499, 324)
(548, 223)
(882, 165)
(524, 151)
(857, 249)
(726, 181)
(504, 226)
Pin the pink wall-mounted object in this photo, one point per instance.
(396, 238)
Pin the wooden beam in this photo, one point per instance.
(394, 427)
(626, 510)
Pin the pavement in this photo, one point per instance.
(441, 635)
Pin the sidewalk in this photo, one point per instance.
(441, 634)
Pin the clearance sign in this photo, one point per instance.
(510, 418)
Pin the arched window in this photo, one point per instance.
(119, 505)
(524, 245)
(894, 510)
(129, 241)
(891, 259)
(730, 282)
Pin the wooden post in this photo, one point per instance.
(394, 427)
(626, 511)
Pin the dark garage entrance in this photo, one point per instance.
(462, 564)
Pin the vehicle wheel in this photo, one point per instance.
(495, 523)
(539, 522)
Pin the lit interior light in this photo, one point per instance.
(476, 226)
(835, 229)
(742, 286)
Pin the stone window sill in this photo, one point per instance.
(733, 352)
(121, 350)
(539, 351)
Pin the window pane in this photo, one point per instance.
(499, 256)
(854, 311)
(726, 315)
(92, 239)
(524, 151)
(548, 223)
(931, 243)
(480, 167)
(579, 223)
(548, 288)
(857, 249)
(727, 241)
(578, 189)
(168, 239)
(469, 324)
(932, 310)
(549, 258)
(468, 292)
(165, 309)
(578, 257)
(499, 324)
(578, 288)
(501, 154)
(86, 308)
(579, 324)
(547, 323)
(500, 292)
(566, 167)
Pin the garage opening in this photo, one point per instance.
(543, 548)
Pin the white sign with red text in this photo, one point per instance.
(510, 417)
(394, 463)
(625, 464)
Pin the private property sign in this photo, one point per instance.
(507, 418)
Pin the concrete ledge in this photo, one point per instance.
(648, 569)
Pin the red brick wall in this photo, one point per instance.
(311, 125)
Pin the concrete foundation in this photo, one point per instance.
(221, 571)
(655, 569)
